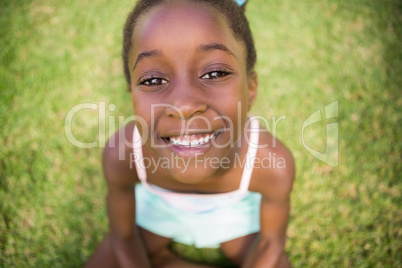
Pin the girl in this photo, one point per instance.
(197, 162)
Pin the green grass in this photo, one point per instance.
(57, 54)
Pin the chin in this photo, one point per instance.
(192, 175)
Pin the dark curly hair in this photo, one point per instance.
(233, 13)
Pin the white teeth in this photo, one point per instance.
(185, 143)
(189, 141)
(195, 142)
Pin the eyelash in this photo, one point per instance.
(216, 74)
(158, 81)
(153, 81)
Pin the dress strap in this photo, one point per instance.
(138, 155)
(250, 156)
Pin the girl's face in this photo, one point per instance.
(190, 89)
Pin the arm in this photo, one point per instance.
(126, 245)
(275, 185)
(268, 249)
(120, 178)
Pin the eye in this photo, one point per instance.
(214, 75)
(154, 81)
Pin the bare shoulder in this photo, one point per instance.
(274, 169)
(118, 166)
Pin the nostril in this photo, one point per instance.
(185, 108)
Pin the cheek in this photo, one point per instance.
(141, 110)
(234, 101)
(147, 109)
(135, 102)
(141, 103)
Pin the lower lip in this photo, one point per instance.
(190, 151)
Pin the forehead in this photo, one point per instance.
(183, 24)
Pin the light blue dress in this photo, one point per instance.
(202, 220)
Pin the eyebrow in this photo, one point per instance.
(205, 47)
(216, 46)
(146, 54)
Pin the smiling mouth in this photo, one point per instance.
(194, 140)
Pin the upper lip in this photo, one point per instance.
(186, 133)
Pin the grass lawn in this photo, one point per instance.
(55, 55)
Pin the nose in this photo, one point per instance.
(186, 100)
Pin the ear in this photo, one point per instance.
(252, 88)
